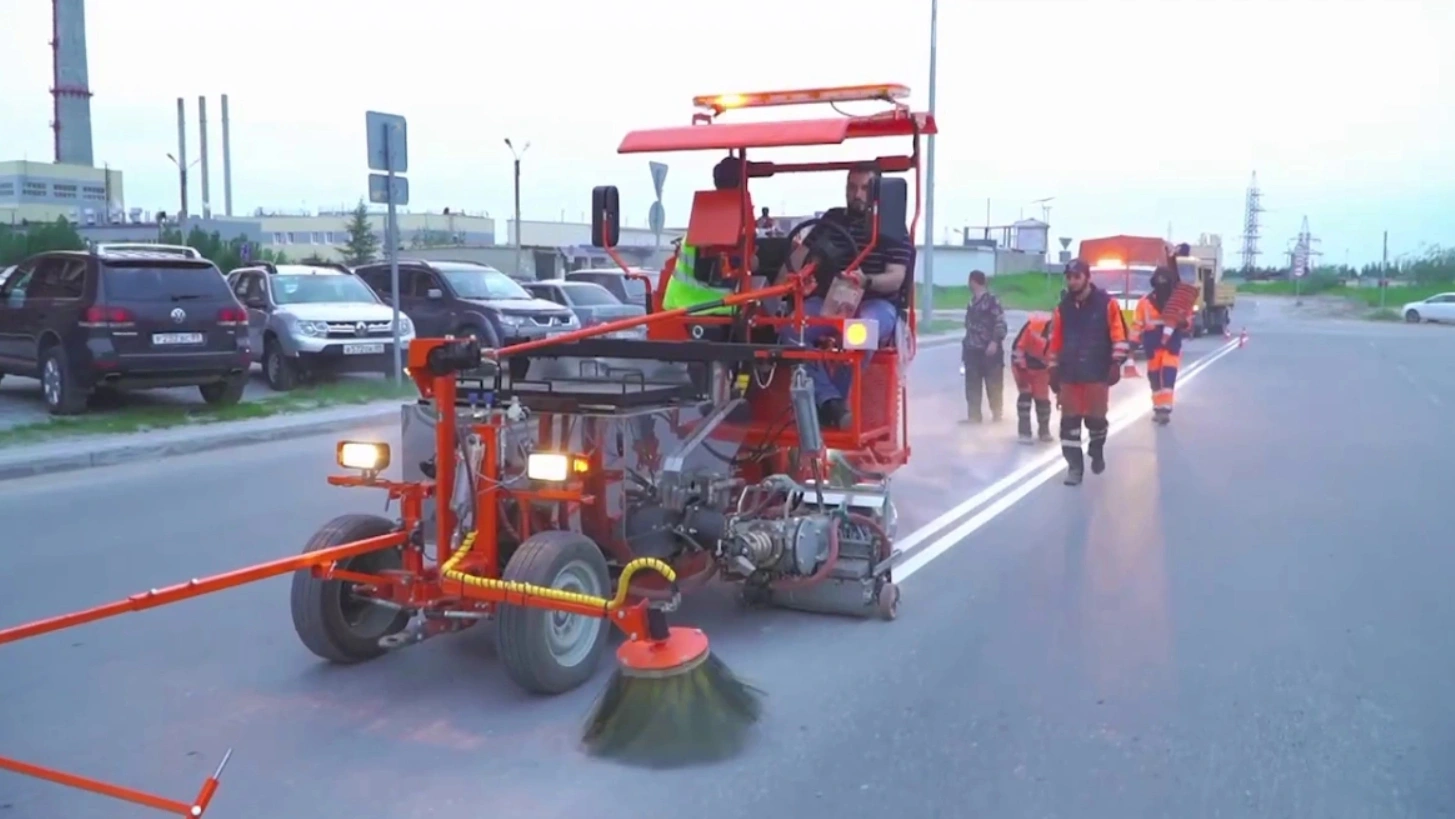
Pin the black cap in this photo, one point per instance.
(1077, 267)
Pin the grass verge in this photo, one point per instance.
(105, 421)
(1017, 291)
(939, 327)
(1366, 296)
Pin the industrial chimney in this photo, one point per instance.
(226, 162)
(71, 87)
(202, 157)
(182, 156)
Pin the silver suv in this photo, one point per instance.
(306, 321)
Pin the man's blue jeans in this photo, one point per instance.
(828, 385)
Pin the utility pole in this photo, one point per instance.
(517, 155)
(929, 251)
(1384, 272)
(182, 183)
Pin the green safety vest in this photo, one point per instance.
(684, 290)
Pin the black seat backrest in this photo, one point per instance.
(894, 207)
(772, 252)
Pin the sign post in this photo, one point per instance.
(657, 215)
(388, 144)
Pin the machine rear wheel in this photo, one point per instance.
(329, 620)
(548, 652)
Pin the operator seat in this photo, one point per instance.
(893, 193)
(715, 228)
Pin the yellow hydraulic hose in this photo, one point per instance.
(450, 570)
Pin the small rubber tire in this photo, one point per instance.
(1412, 316)
(71, 397)
(888, 600)
(224, 393)
(317, 605)
(523, 634)
(280, 372)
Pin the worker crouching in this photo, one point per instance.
(1161, 342)
(1087, 349)
(1031, 371)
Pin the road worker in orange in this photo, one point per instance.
(1087, 349)
(1032, 375)
(1161, 343)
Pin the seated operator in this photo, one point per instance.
(684, 289)
(884, 275)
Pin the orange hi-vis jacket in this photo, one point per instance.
(1148, 317)
(1033, 343)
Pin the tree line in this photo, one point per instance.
(18, 243)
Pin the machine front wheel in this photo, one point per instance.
(544, 651)
(329, 619)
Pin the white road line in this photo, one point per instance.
(1040, 470)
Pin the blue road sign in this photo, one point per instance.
(657, 218)
(659, 176)
(379, 189)
(388, 141)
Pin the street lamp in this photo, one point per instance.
(182, 181)
(517, 155)
(929, 298)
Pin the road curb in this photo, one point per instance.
(80, 453)
(86, 453)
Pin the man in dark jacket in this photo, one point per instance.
(1087, 349)
(983, 350)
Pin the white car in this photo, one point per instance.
(313, 320)
(1435, 308)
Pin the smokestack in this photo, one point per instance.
(226, 162)
(202, 156)
(71, 92)
(182, 156)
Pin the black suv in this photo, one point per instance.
(128, 317)
(470, 299)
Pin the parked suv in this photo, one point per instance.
(136, 317)
(306, 321)
(470, 299)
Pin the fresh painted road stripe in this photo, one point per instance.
(1040, 470)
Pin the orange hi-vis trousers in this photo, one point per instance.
(1164, 357)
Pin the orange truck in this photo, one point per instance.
(1123, 267)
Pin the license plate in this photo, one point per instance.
(177, 338)
(363, 349)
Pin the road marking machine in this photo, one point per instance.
(617, 474)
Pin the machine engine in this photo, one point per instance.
(793, 546)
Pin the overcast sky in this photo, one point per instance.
(1133, 114)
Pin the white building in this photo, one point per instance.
(46, 191)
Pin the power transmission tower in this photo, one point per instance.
(1252, 225)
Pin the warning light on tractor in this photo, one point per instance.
(554, 467)
(766, 99)
(368, 456)
(861, 334)
(1109, 264)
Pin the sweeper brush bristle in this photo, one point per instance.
(700, 712)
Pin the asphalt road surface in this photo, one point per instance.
(1245, 616)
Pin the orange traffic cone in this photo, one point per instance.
(1243, 338)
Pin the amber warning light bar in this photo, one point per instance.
(766, 99)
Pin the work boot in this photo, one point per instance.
(1162, 416)
(1045, 433)
(1074, 466)
(834, 414)
(1043, 421)
(1096, 451)
(1023, 425)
